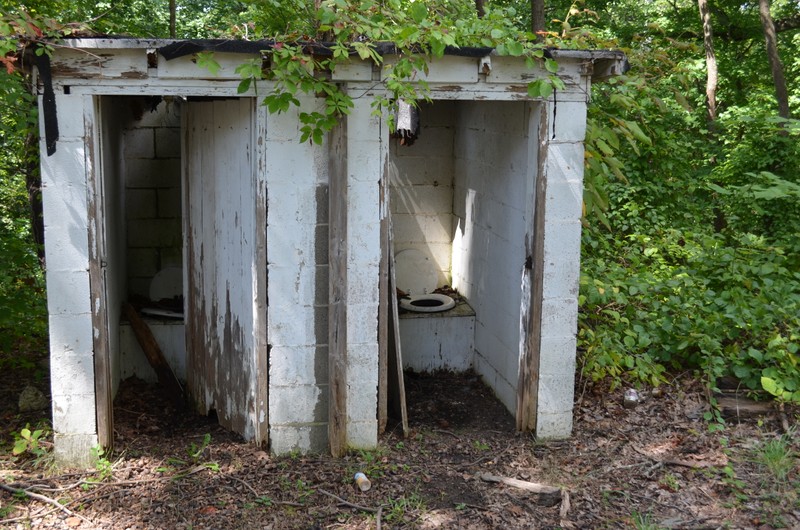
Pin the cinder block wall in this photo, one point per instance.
(422, 188)
(491, 170)
(152, 169)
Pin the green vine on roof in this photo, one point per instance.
(419, 31)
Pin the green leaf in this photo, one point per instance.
(541, 88)
(515, 48)
(770, 385)
(244, 85)
(551, 66)
(419, 11)
(206, 60)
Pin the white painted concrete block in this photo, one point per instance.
(564, 162)
(555, 393)
(296, 365)
(447, 69)
(561, 260)
(570, 121)
(71, 373)
(363, 283)
(70, 333)
(141, 203)
(362, 398)
(168, 142)
(553, 426)
(362, 361)
(406, 170)
(74, 413)
(70, 108)
(290, 248)
(155, 233)
(362, 434)
(74, 450)
(423, 228)
(139, 143)
(564, 201)
(437, 343)
(432, 142)
(362, 323)
(297, 404)
(67, 247)
(422, 200)
(305, 438)
(557, 356)
(291, 285)
(559, 317)
(363, 126)
(68, 292)
(363, 201)
(353, 71)
(283, 126)
(149, 173)
(364, 162)
(363, 247)
(169, 202)
(291, 325)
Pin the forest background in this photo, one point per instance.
(691, 243)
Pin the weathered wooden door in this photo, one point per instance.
(225, 264)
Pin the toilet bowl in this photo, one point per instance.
(416, 276)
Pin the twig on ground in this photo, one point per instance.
(454, 435)
(378, 517)
(44, 498)
(245, 484)
(342, 501)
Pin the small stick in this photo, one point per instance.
(378, 517)
(342, 501)
(45, 499)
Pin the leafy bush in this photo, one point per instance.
(687, 300)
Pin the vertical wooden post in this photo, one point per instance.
(383, 303)
(532, 287)
(337, 289)
(97, 272)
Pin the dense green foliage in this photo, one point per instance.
(695, 263)
(691, 253)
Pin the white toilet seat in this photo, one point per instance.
(427, 303)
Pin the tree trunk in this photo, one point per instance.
(479, 8)
(172, 17)
(33, 182)
(537, 17)
(711, 60)
(781, 93)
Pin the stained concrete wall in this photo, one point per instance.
(491, 214)
(422, 188)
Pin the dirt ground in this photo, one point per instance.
(655, 465)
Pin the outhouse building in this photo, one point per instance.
(267, 268)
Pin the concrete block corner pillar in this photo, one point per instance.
(561, 272)
(64, 197)
(366, 151)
